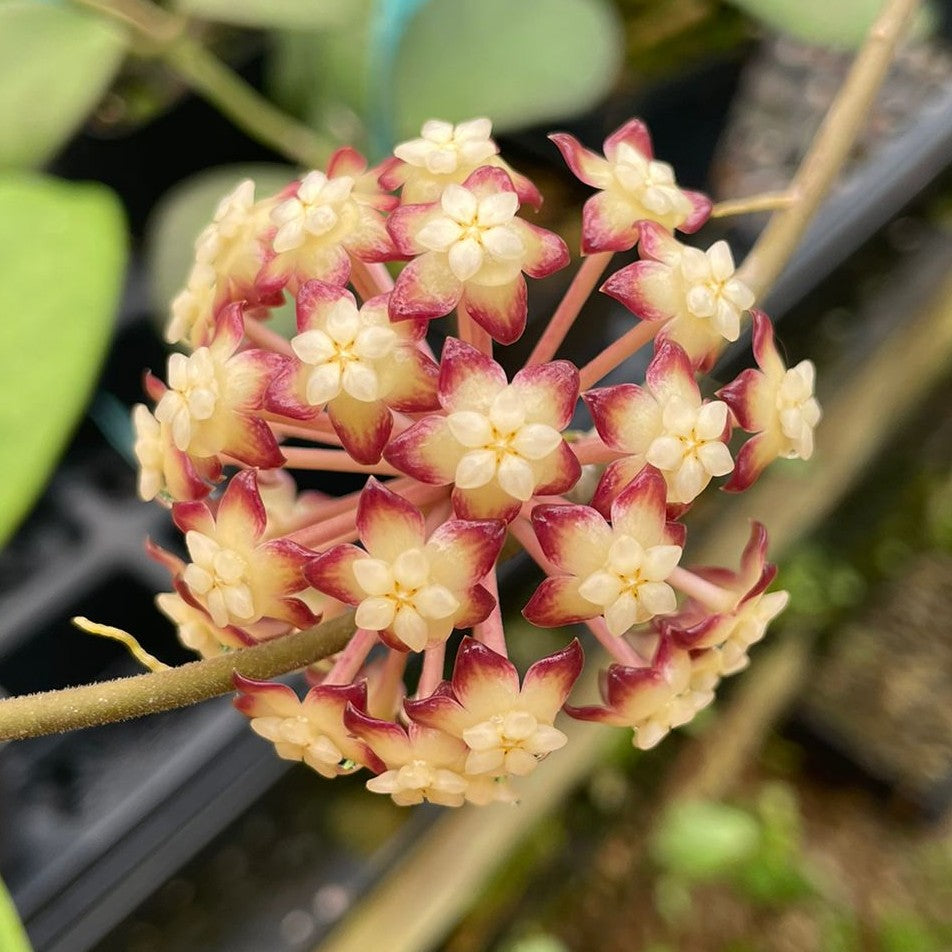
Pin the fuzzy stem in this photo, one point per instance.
(335, 461)
(214, 81)
(764, 202)
(617, 353)
(569, 307)
(432, 672)
(52, 712)
(830, 149)
(491, 632)
(351, 658)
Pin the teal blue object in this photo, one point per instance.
(390, 19)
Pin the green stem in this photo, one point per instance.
(106, 702)
(165, 36)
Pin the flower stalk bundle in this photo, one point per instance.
(459, 457)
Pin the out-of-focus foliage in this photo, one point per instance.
(843, 23)
(12, 936)
(283, 14)
(399, 64)
(55, 63)
(62, 258)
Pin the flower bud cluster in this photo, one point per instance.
(459, 455)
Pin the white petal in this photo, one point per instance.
(715, 457)
(470, 428)
(622, 614)
(313, 347)
(374, 576)
(439, 234)
(516, 477)
(411, 629)
(497, 209)
(626, 555)
(503, 243)
(507, 411)
(411, 568)
(289, 236)
(657, 598)
(466, 258)
(375, 342)
(660, 561)
(342, 322)
(536, 440)
(459, 203)
(475, 469)
(711, 420)
(374, 614)
(436, 601)
(360, 381)
(601, 588)
(722, 262)
(323, 384)
(666, 452)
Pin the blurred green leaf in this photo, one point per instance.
(282, 14)
(55, 64)
(62, 255)
(519, 63)
(700, 839)
(843, 23)
(12, 936)
(184, 211)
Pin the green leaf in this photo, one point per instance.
(704, 840)
(55, 64)
(283, 14)
(843, 23)
(62, 256)
(12, 936)
(519, 63)
(184, 211)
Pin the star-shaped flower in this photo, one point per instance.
(664, 423)
(446, 154)
(507, 729)
(634, 188)
(616, 570)
(695, 293)
(656, 699)
(322, 221)
(732, 632)
(422, 764)
(233, 575)
(311, 730)
(498, 443)
(212, 394)
(472, 251)
(775, 403)
(411, 589)
(357, 364)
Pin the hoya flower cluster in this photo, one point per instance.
(459, 457)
